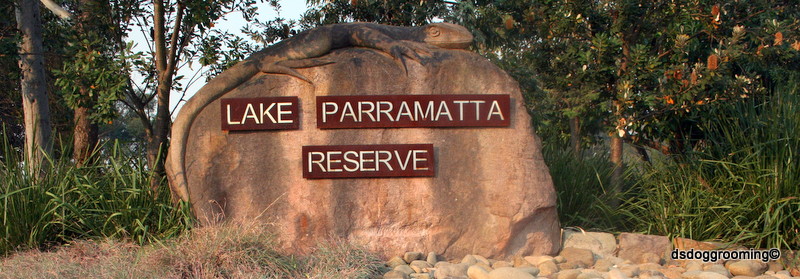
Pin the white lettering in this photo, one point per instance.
(384, 160)
(228, 106)
(267, 113)
(418, 159)
(362, 111)
(282, 112)
(363, 160)
(252, 114)
(404, 110)
(443, 107)
(331, 160)
(403, 165)
(348, 110)
(349, 160)
(326, 112)
(418, 109)
(386, 111)
(495, 110)
(460, 109)
(477, 109)
(318, 162)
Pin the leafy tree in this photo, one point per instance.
(648, 69)
(93, 75)
(177, 32)
(392, 12)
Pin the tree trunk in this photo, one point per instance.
(84, 137)
(166, 58)
(575, 135)
(38, 142)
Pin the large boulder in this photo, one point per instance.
(491, 195)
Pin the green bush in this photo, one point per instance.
(742, 186)
(108, 198)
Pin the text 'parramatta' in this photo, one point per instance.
(411, 111)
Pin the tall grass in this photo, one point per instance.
(743, 186)
(581, 186)
(109, 198)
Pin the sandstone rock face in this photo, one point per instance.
(491, 195)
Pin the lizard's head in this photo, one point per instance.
(447, 35)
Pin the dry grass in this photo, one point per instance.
(234, 251)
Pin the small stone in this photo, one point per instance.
(673, 272)
(404, 269)
(570, 265)
(650, 274)
(485, 266)
(603, 265)
(482, 259)
(616, 274)
(420, 266)
(589, 274)
(579, 256)
(742, 277)
(520, 261)
(536, 260)
(450, 270)
(651, 258)
(632, 246)
(469, 260)
(560, 259)
(441, 264)
(630, 270)
(421, 276)
(394, 274)
(395, 261)
(477, 272)
(432, 258)
(650, 266)
(775, 266)
(697, 274)
(509, 273)
(694, 266)
(766, 277)
(412, 256)
(499, 264)
(547, 268)
(718, 268)
(601, 244)
(747, 268)
(568, 274)
(530, 270)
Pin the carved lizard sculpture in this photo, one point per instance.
(296, 52)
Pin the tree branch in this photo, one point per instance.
(56, 9)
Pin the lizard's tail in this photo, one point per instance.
(221, 84)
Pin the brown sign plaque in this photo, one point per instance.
(412, 111)
(267, 113)
(360, 161)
